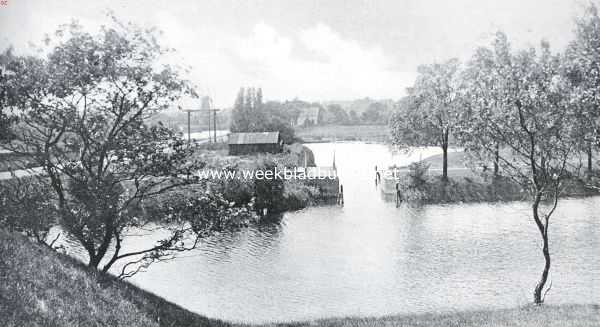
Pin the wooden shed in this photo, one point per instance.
(248, 143)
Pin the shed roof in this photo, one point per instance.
(254, 138)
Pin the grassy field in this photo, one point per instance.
(39, 287)
(330, 133)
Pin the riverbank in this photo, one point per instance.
(39, 287)
(528, 316)
(281, 194)
(467, 185)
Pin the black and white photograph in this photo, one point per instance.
(339, 163)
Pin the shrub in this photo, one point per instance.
(27, 207)
(417, 174)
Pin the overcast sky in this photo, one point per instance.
(313, 50)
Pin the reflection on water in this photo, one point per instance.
(370, 258)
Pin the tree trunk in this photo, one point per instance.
(539, 288)
(445, 163)
(94, 260)
(589, 158)
(496, 159)
(538, 296)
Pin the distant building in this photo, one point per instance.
(308, 116)
(248, 143)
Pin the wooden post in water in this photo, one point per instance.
(398, 195)
(341, 195)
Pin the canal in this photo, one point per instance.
(370, 258)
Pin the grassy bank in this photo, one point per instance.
(467, 185)
(39, 287)
(330, 133)
(530, 316)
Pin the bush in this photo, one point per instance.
(417, 174)
(27, 207)
(298, 195)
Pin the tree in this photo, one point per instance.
(239, 114)
(534, 120)
(482, 94)
(376, 113)
(430, 111)
(582, 66)
(83, 112)
(27, 208)
(250, 114)
(353, 117)
(6, 118)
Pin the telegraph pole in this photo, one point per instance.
(206, 106)
(214, 124)
(189, 114)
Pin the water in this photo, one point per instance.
(370, 258)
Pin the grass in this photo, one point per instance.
(529, 316)
(467, 185)
(330, 133)
(39, 287)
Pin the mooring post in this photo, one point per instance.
(398, 198)
(341, 195)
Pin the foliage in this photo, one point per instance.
(481, 91)
(250, 114)
(526, 106)
(429, 114)
(27, 207)
(376, 113)
(298, 195)
(6, 116)
(84, 111)
(417, 174)
(582, 67)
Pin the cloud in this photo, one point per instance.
(316, 63)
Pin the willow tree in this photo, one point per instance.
(533, 117)
(582, 66)
(84, 111)
(429, 114)
(483, 96)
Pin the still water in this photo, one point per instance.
(370, 258)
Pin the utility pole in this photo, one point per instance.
(206, 105)
(189, 113)
(214, 124)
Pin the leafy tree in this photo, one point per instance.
(250, 114)
(429, 114)
(26, 207)
(582, 66)
(353, 117)
(6, 118)
(483, 95)
(533, 118)
(335, 115)
(239, 115)
(376, 113)
(83, 111)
